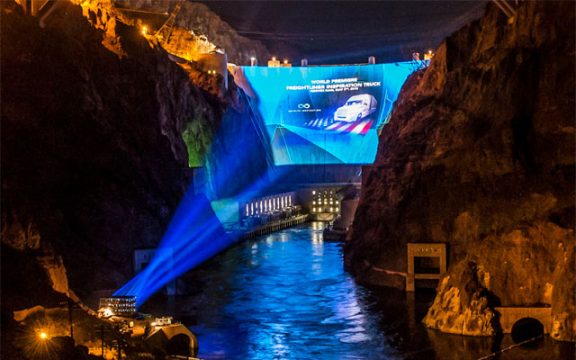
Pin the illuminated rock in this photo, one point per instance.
(479, 153)
(204, 23)
(92, 145)
(97, 147)
(463, 313)
(95, 128)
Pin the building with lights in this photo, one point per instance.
(273, 62)
(325, 203)
(117, 306)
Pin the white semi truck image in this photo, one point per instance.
(357, 107)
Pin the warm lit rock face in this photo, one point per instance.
(92, 155)
(198, 17)
(479, 153)
(99, 128)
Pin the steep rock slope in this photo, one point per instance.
(98, 130)
(479, 153)
(198, 18)
(92, 154)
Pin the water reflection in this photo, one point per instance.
(286, 296)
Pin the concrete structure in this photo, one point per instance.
(273, 62)
(275, 226)
(33, 7)
(510, 315)
(347, 210)
(117, 306)
(508, 7)
(268, 204)
(165, 337)
(40, 8)
(425, 250)
(325, 204)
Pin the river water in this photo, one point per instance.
(286, 296)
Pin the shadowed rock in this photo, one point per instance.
(479, 153)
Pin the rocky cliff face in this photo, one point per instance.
(98, 130)
(479, 153)
(198, 18)
(93, 158)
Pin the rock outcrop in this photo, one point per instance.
(199, 19)
(479, 153)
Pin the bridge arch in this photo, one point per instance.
(173, 339)
(180, 344)
(526, 328)
(509, 316)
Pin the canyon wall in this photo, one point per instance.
(92, 155)
(98, 127)
(479, 154)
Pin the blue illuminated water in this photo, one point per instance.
(286, 296)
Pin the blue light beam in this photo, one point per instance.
(194, 235)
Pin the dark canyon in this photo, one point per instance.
(100, 128)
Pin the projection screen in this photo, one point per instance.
(325, 114)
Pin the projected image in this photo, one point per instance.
(356, 108)
(325, 114)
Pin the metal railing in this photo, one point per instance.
(508, 7)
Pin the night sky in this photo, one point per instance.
(329, 32)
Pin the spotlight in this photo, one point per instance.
(144, 30)
(43, 335)
(107, 312)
